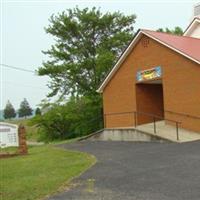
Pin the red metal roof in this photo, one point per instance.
(187, 45)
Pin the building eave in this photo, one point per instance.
(120, 61)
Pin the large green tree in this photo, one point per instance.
(25, 109)
(87, 43)
(9, 111)
(176, 31)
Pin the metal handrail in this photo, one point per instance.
(187, 115)
(147, 114)
(144, 113)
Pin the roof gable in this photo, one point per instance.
(186, 46)
(195, 23)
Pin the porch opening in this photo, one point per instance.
(150, 101)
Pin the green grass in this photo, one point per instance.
(8, 150)
(66, 141)
(40, 173)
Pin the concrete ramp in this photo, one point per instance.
(167, 131)
(145, 133)
(124, 134)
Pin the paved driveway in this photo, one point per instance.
(137, 171)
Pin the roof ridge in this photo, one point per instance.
(183, 36)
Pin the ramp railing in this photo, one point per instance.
(141, 120)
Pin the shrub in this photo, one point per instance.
(78, 117)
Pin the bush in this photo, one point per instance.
(78, 117)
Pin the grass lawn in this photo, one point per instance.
(40, 173)
(8, 150)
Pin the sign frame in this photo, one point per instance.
(149, 74)
(8, 135)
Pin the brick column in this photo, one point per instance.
(23, 149)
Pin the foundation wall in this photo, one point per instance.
(124, 135)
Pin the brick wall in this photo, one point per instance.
(180, 81)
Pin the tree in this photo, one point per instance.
(87, 45)
(25, 109)
(176, 31)
(38, 111)
(9, 111)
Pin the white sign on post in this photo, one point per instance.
(8, 135)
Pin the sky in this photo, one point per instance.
(22, 37)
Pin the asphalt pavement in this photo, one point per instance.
(137, 171)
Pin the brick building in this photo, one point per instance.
(156, 78)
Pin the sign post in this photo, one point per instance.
(22, 140)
